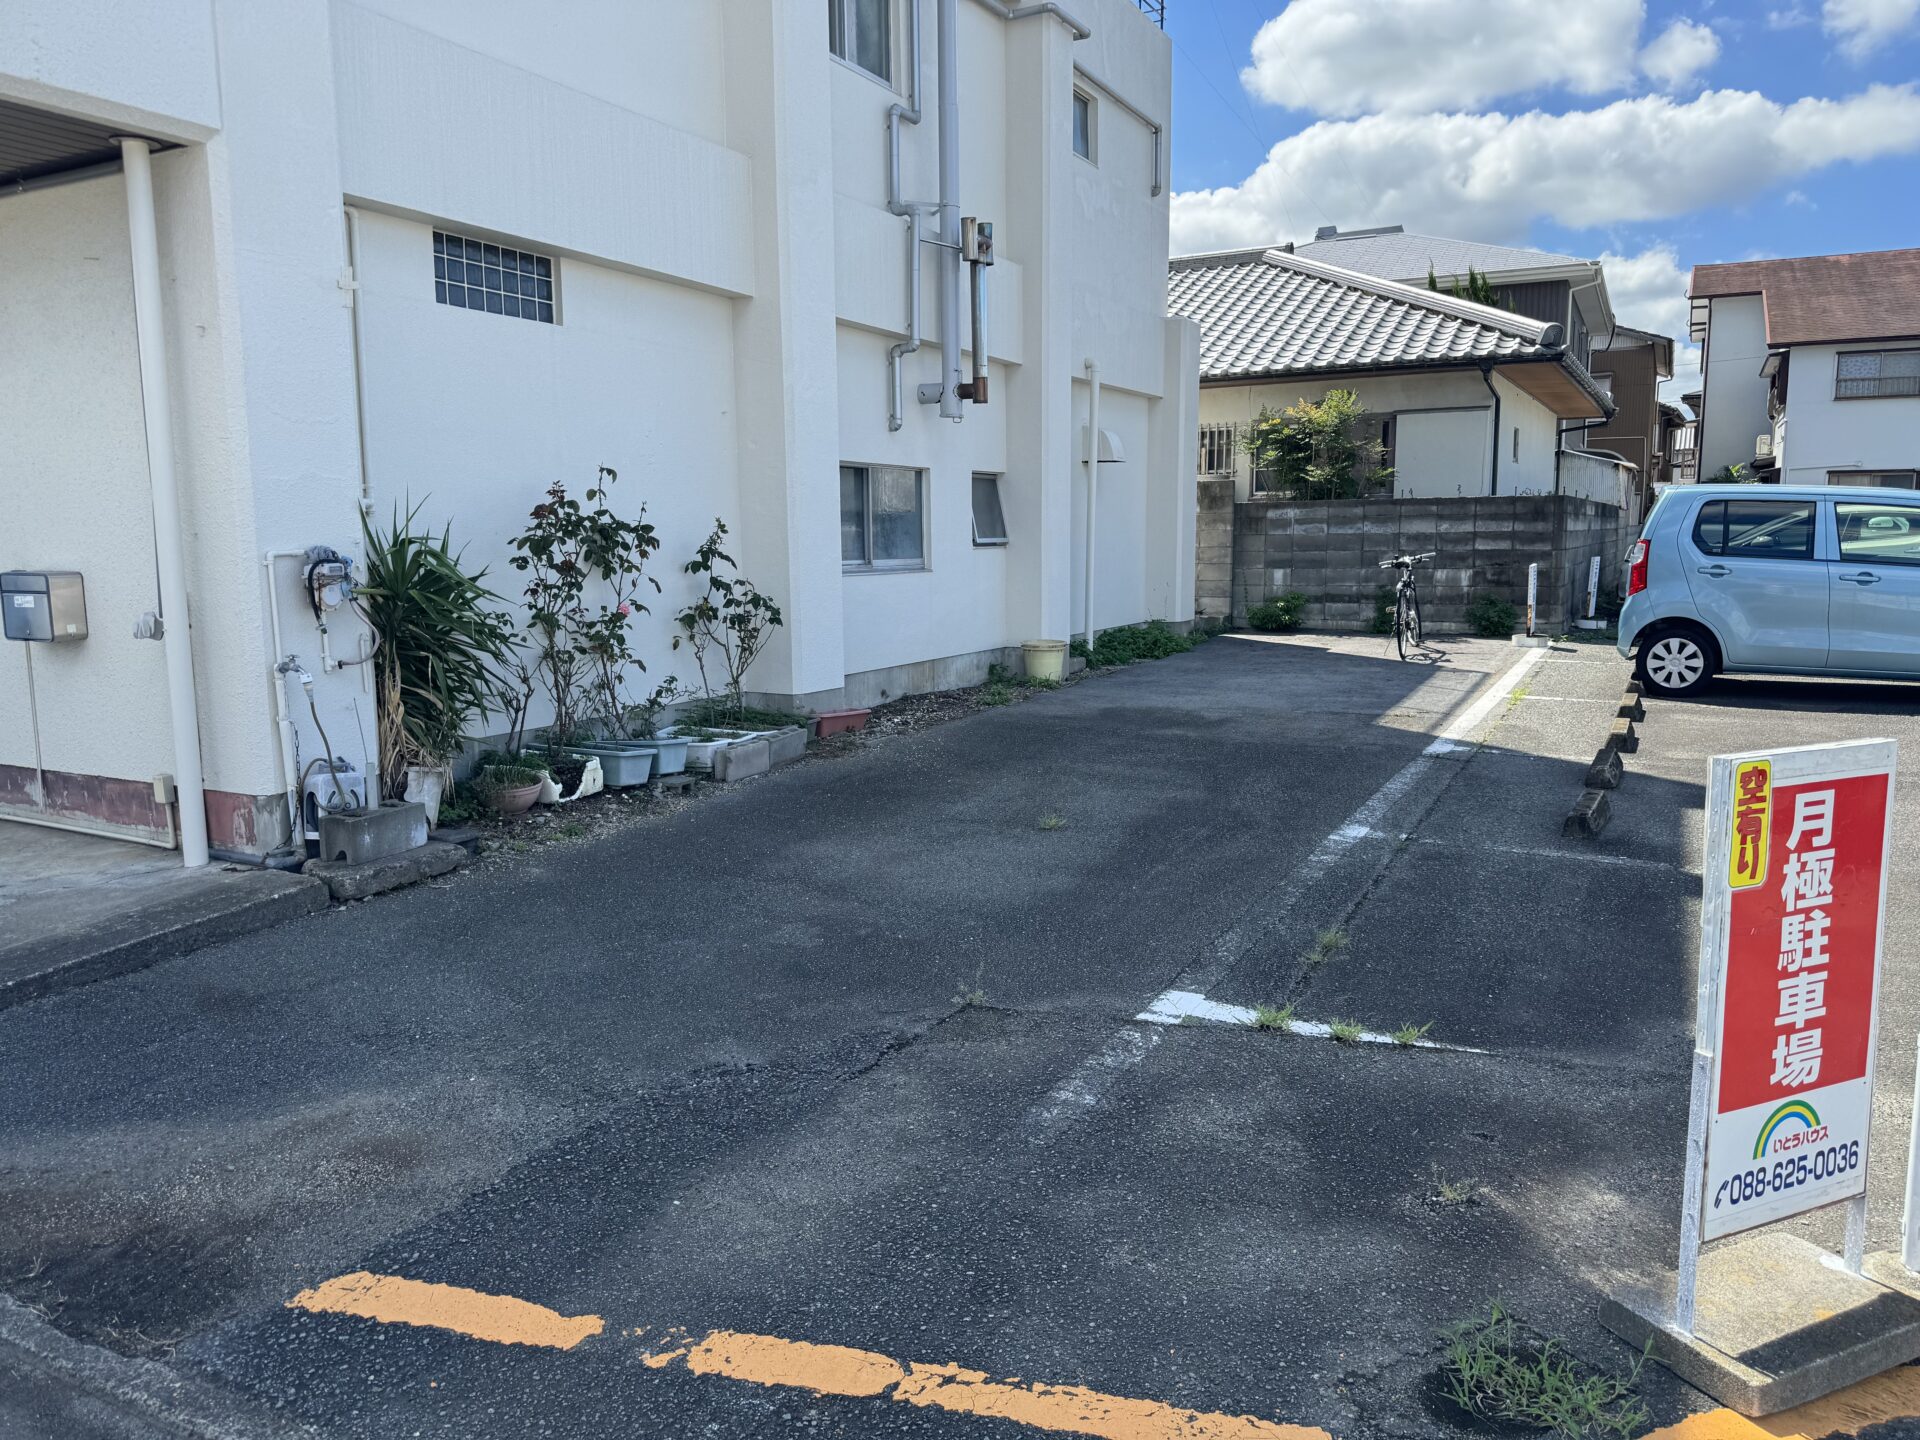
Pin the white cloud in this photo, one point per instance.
(1680, 52)
(1791, 18)
(1862, 24)
(1489, 177)
(1353, 57)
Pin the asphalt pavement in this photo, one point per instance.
(847, 1057)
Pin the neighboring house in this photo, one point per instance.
(1468, 405)
(1679, 445)
(1465, 399)
(1811, 368)
(1629, 365)
(391, 254)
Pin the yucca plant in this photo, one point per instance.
(441, 644)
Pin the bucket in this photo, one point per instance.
(1045, 659)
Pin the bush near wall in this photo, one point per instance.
(1280, 613)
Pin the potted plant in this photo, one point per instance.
(439, 648)
(508, 788)
(726, 627)
(583, 648)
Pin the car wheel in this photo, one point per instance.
(1676, 662)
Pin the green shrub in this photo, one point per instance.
(1491, 616)
(1282, 612)
(1384, 600)
(1125, 644)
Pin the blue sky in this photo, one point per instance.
(1657, 135)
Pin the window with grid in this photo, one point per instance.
(1874, 374)
(883, 522)
(1217, 449)
(471, 274)
(860, 32)
(1886, 479)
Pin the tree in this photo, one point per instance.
(1313, 449)
(1477, 288)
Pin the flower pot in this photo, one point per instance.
(427, 786)
(1045, 659)
(700, 752)
(518, 799)
(622, 763)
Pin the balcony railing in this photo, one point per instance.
(1154, 10)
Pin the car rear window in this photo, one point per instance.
(1879, 534)
(1756, 529)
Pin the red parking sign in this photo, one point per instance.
(1790, 953)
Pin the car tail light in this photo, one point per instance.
(1637, 567)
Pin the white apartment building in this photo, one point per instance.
(1811, 368)
(235, 240)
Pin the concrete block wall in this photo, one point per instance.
(1213, 551)
(1330, 552)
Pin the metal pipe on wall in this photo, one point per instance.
(951, 375)
(897, 115)
(149, 323)
(1093, 490)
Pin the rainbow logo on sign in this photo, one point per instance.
(1793, 1110)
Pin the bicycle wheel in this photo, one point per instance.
(1413, 616)
(1401, 620)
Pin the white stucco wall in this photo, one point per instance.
(1823, 434)
(1734, 402)
(711, 184)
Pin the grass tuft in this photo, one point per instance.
(1494, 1370)
(1328, 944)
(1052, 822)
(1410, 1034)
(1346, 1031)
(1273, 1017)
(1452, 1193)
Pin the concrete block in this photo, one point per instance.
(1590, 815)
(1621, 736)
(358, 836)
(347, 880)
(1632, 707)
(738, 762)
(465, 836)
(1606, 771)
(786, 746)
(1777, 1324)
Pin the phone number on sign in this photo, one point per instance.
(1784, 1175)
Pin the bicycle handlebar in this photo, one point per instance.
(1406, 561)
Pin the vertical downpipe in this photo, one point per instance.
(136, 159)
(1093, 489)
(909, 114)
(951, 376)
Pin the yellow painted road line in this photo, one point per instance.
(499, 1318)
(772, 1361)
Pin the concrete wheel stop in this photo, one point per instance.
(1778, 1322)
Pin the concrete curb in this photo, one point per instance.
(350, 880)
(154, 1399)
(1590, 815)
(164, 932)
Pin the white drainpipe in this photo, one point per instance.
(898, 115)
(1093, 488)
(136, 160)
(951, 376)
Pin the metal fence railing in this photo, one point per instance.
(1154, 10)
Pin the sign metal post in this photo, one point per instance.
(1533, 593)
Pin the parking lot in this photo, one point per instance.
(828, 1102)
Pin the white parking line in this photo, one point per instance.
(1082, 1088)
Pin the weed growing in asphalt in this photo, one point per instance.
(572, 830)
(970, 993)
(1452, 1193)
(1495, 1370)
(1411, 1034)
(1273, 1017)
(1052, 822)
(1328, 944)
(1346, 1031)
(996, 692)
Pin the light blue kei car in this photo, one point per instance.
(1780, 580)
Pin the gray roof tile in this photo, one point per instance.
(1271, 313)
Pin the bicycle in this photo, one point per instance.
(1406, 601)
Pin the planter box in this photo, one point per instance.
(358, 836)
(700, 753)
(622, 764)
(834, 722)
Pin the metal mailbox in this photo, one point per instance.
(49, 605)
